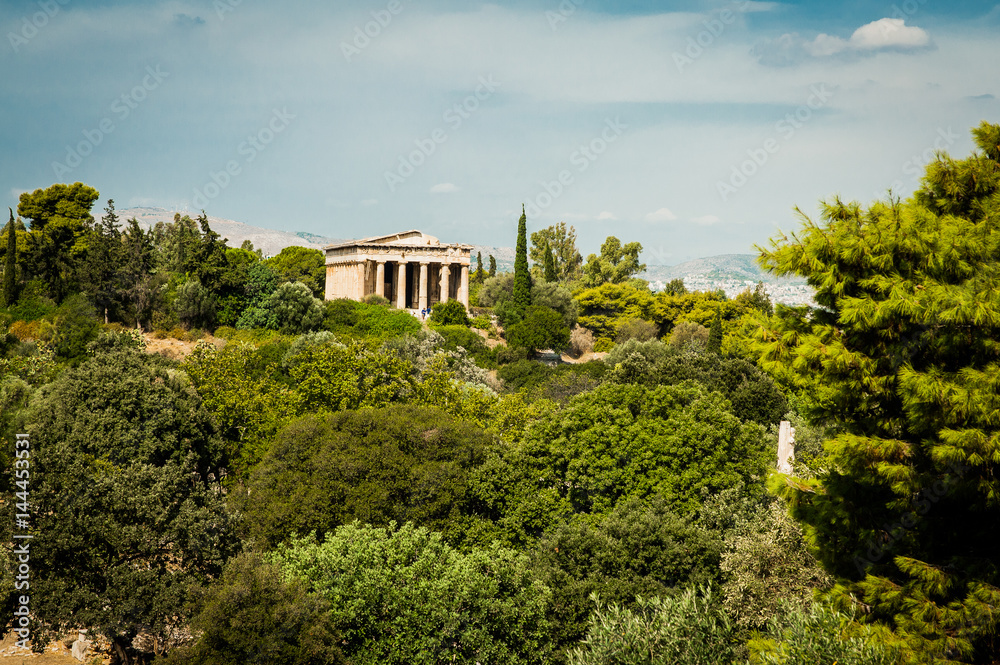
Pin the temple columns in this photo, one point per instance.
(380, 278)
(445, 282)
(401, 285)
(422, 292)
(463, 287)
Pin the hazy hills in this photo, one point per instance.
(731, 272)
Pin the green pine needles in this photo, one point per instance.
(903, 357)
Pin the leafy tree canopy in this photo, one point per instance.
(401, 595)
(616, 264)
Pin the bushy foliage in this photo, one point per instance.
(194, 303)
(400, 596)
(688, 334)
(622, 441)
(556, 296)
(450, 313)
(76, 326)
(819, 634)
(581, 341)
(301, 264)
(242, 388)
(254, 615)
(295, 309)
(397, 464)
(121, 504)
(636, 329)
(348, 318)
(616, 264)
(752, 394)
(541, 328)
(640, 549)
(768, 569)
(686, 630)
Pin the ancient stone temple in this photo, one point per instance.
(412, 269)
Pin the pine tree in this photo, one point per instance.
(100, 270)
(10, 265)
(522, 277)
(493, 266)
(715, 335)
(549, 269)
(902, 357)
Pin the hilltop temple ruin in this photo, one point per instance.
(412, 269)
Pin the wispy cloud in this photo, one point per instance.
(444, 188)
(885, 34)
(661, 215)
(706, 220)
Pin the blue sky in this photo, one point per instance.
(692, 127)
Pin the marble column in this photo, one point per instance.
(401, 285)
(463, 287)
(422, 293)
(445, 282)
(380, 278)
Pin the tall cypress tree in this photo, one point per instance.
(10, 265)
(493, 266)
(522, 277)
(480, 274)
(549, 264)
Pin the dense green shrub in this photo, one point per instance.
(295, 309)
(401, 463)
(76, 326)
(820, 635)
(640, 549)
(686, 630)
(400, 596)
(450, 313)
(541, 328)
(254, 615)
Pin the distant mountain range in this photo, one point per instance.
(731, 272)
(268, 241)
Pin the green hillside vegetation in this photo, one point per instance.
(576, 470)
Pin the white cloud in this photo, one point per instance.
(889, 33)
(444, 188)
(661, 215)
(706, 220)
(607, 216)
(881, 35)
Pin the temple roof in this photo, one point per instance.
(411, 238)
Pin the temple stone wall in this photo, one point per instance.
(411, 269)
